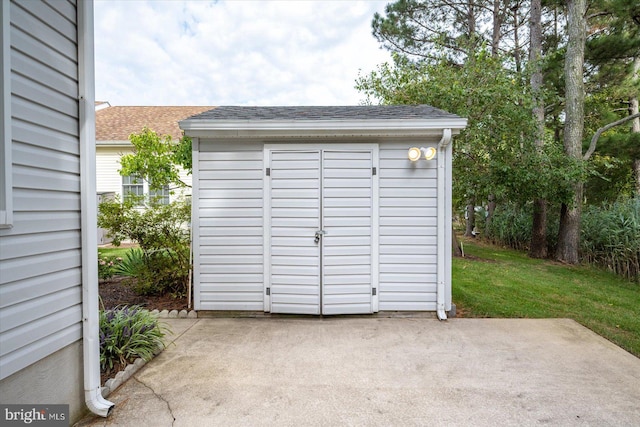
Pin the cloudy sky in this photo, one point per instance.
(169, 52)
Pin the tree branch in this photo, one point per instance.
(594, 140)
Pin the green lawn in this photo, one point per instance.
(495, 282)
(113, 252)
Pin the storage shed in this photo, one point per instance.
(322, 210)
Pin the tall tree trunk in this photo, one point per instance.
(569, 233)
(491, 208)
(471, 18)
(538, 248)
(470, 217)
(497, 24)
(456, 249)
(516, 41)
(495, 51)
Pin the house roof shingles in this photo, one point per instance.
(117, 123)
(359, 112)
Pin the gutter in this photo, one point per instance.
(88, 214)
(444, 147)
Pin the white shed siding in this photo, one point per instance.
(408, 232)
(229, 274)
(40, 284)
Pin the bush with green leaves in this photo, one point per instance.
(162, 263)
(128, 333)
(107, 266)
(155, 272)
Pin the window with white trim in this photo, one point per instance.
(136, 189)
(160, 196)
(133, 189)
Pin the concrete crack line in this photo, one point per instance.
(173, 341)
(159, 397)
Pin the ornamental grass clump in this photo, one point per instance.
(611, 237)
(127, 333)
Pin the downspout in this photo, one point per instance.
(442, 209)
(88, 214)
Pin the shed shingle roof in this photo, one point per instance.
(358, 112)
(117, 123)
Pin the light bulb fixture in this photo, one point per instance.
(415, 153)
(429, 153)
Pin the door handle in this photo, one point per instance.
(319, 234)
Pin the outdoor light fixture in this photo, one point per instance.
(415, 153)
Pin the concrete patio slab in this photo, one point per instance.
(381, 371)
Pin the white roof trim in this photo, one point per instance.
(319, 128)
(115, 143)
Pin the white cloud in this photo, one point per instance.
(233, 52)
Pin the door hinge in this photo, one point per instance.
(373, 291)
(268, 291)
(268, 171)
(373, 171)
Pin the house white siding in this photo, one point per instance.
(108, 178)
(40, 284)
(229, 243)
(408, 232)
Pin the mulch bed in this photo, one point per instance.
(118, 291)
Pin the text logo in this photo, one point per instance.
(35, 415)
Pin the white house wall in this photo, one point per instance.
(229, 244)
(109, 180)
(408, 232)
(40, 284)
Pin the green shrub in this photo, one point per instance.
(610, 237)
(107, 266)
(132, 264)
(162, 264)
(127, 333)
(511, 226)
(164, 273)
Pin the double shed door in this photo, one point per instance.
(321, 231)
